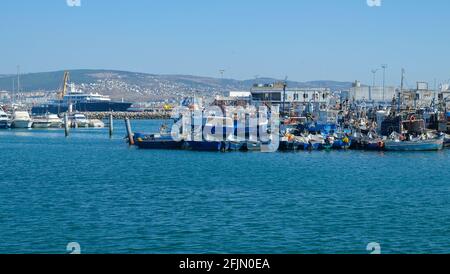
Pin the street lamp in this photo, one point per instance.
(374, 72)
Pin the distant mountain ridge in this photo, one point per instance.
(145, 86)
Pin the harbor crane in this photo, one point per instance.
(63, 91)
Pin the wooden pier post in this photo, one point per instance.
(111, 125)
(66, 125)
(129, 131)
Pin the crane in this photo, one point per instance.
(64, 87)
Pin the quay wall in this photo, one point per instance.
(129, 115)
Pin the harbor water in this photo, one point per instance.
(112, 198)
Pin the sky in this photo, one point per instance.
(304, 40)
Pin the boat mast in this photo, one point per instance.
(284, 95)
(18, 81)
(401, 91)
(13, 91)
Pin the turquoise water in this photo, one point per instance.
(114, 199)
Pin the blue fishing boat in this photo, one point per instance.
(419, 145)
(294, 143)
(155, 141)
(374, 145)
(316, 142)
(287, 146)
(315, 146)
(342, 143)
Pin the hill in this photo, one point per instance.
(143, 86)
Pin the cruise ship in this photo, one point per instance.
(80, 101)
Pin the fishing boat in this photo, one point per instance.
(286, 145)
(432, 144)
(156, 141)
(310, 142)
(4, 120)
(316, 142)
(374, 145)
(447, 140)
(342, 143)
(329, 143)
(21, 119)
(370, 141)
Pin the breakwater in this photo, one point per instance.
(129, 115)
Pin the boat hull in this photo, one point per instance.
(236, 146)
(150, 141)
(207, 146)
(294, 146)
(251, 146)
(4, 124)
(339, 144)
(56, 124)
(428, 145)
(21, 124)
(83, 107)
(447, 141)
(316, 146)
(374, 146)
(41, 124)
(155, 144)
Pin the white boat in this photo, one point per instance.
(47, 121)
(80, 120)
(21, 119)
(41, 123)
(55, 121)
(95, 123)
(4, 120)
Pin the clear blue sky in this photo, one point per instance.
(304, 39)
